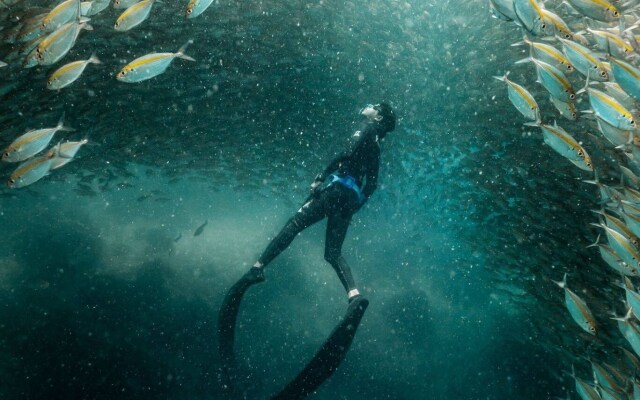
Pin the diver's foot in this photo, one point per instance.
(353, 294)
(254, 275)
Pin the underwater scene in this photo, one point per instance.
(153, 151)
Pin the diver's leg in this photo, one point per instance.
(337, 226)
(310, 213)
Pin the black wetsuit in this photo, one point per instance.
(337, 202)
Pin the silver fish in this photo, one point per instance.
(521, 98)
(57, 44)
(149, 66)
(64, 12)
(578, 309)
(600, 10)
(554, 81)
(565, 145)
(500, 7)
(584, 60)
(67, 74)
(627, 76)
(31, 143)
(29, 172)
(567, 110)
(63, 153)
(610, 110)
(134, 15)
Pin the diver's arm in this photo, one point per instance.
(371, 183)
(354, 142)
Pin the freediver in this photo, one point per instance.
(342, 197)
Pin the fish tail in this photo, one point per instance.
(502, 78)
(626, 317)
(524, 60)
(586, 85)
(181, 54)
(536, 123)
(562, 284)
(61, 126)
(94, 59)
(597, 242)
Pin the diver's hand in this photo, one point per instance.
(315, 187)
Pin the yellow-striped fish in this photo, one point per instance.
(555, 25)
(32, 142)
(600, 10)
(134, 15)
(57, 44)
(197, 7)
(67, 74)
(584, 60)
(610, 110)
(521, 99)
(611, 43)
(64, 12)
(565, 145)
(554, 81)
(622, 246)
(63, 153)
(548, 54)
(146, 67)
(578, 309)
(30, 171)
(627, 76)
(122, 4)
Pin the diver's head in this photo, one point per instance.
(381, 114)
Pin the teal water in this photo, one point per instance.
(455, 251)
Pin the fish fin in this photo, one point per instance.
(535, 123)
(586, 85)
(87, 27)
(94, 59)
(524, 60)
(61, 126)
(626, 317)
(502, 78)
(597, 242)
(562, 284)
(180, 52)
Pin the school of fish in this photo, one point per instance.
(585, 57)
(43, 36)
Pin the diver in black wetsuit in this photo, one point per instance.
(340, 199)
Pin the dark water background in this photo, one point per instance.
(455, 251)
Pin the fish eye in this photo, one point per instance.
(603, 74)
(572, 96)
(11, 181)
(574, 115)
(567, 36)
(50, 82)
(615, 13)
(580, 153)
(6, 154)
(189, 11)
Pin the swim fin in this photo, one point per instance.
(330, 355)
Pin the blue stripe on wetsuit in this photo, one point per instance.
(349, 182)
